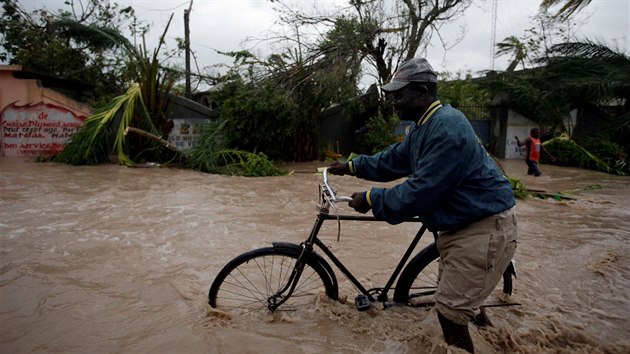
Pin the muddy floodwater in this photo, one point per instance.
(110, 259)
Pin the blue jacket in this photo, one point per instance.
(452, 180)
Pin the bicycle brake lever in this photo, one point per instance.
(344, 199)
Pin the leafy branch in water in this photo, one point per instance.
(211, 155)
(244, 163)
(518, 188)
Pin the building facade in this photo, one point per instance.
(35, 120)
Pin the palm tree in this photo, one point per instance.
(568, 6)
(142, 106)
(589, 70)
(592, 73)
(518, 50)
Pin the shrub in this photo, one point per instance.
(211, 155)
(378, 135)
(593, 153)
(258, 118)
(602, 148)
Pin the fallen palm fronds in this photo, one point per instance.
(92, 144)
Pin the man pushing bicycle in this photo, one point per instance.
(453, 186)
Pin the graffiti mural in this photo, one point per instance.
(39, 129)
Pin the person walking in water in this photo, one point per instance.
(532, 153)
(454, 187)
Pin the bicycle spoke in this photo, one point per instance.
(250, 283)
(241, 295)
(422, 289)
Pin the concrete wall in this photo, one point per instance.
(35, 121)
(517, 125)
(188, 118)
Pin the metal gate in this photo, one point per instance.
(480, 118)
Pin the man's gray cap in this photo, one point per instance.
(416, 69)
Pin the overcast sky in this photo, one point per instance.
(225, 24)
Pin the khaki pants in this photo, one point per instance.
(472, 261)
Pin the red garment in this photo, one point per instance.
(534, 150)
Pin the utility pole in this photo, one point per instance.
(187, 48)
(493, 38)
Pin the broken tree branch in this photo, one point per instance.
(146, 134)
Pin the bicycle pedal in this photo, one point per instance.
(362, 302)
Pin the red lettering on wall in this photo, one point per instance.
(36, 130)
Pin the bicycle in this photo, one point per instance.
(287, 276)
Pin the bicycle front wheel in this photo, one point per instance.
(247, 282)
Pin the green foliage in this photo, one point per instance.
(518, 188)
(91, 145)
(565, 152)
(512, 46)
(532, 96)
(93, 142)
(257, 117)
(243, 163)
(569, 74)
(568, 8)
(155, 82)
(272, 106)
(378, 135)
(381, 34)
(546, 31)
(310, 78)
(203, 156)
(596, 154)
(602, 148)
(46, 41)
(211, 155)
(142, 107)
(461, 91)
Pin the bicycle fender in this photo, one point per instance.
(510, 272)
(312, 256)
(511, 269)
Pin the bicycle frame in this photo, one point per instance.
(382, 292)
(328, 196)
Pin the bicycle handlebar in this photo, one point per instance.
(331, 192)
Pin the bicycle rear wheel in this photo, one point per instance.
(247, 282)
(418, 281)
